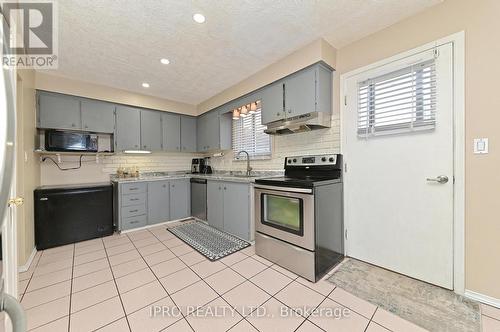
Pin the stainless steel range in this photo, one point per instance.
(298, 217)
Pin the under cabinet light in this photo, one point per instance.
(137, 151)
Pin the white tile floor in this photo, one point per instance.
(114, 283)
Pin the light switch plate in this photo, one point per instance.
(480, 145)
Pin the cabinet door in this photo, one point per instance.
(58, 111)
(128, 128)
(236, 209)
(171, 124)
(300, 93)
(98, 116)
(180, 199)
(158, 202)
(201, 130)
(151, 136)
(188, 134)
(215, 204)
(272, 103)
(212, 135)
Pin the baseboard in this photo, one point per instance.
(482, 298)
(25, 267)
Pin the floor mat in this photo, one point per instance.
(431, 307)
(208, 241)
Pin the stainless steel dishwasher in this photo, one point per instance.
(199, 198)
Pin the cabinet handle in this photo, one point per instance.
(86, 127)
(134, 199)
(278, 114)
(134, 222)
(134, 188)
(145, 146)
(134, 210)
(136, 146)
(164, 186)
(290, 110)
(73, 125)
(225, 188)
(220, 188)
(173, 186)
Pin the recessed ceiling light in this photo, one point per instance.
(199, 18)
(165, 61)
(145, 85)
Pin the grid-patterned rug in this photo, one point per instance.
(434, 308)
(208, 241)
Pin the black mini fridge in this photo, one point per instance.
(69, 214)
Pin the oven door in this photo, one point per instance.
(286, 214)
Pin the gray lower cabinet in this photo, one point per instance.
(215, 204)
(58, 111)
(151, 131)
(128, 128)
(228, 207)
(98, 116)
(188, 134)
(171, 125)
(237, 209)
(132, 205)
(180, 199)
(158, 202)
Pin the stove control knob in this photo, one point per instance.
(294, 160)
(323, 159)
(331, 159)
(289, 161)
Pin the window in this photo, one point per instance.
(248, 135)
(398, 102)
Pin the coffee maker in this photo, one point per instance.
(197, 165)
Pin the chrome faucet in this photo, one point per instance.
(249, 169)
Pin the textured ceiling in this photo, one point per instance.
(119, 43)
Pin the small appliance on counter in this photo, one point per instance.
(197, 165)
(69, 214)
(207, 169)
(299, 218)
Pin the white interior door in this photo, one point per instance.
(396, 216)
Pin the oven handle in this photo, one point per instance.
(287, 189)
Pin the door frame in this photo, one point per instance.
(458, 42)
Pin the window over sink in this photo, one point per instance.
(248, 132)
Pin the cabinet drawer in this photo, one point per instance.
(133, 210)
(133, 199)
(133, 222)
(134, 188)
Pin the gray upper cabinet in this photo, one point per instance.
(171, 124)
(128, 128)
(308, 90)
(188, 134)
(215, 204)
(237, 209)
(180, 199)
(300, 93)
(158, 202)
(208, 131)
(58, 111)
(151, 131)
(272, 103)
(98, 116)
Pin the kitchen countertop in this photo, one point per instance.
(219, 176)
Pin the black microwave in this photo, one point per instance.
(57, 140)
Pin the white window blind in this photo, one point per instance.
(398, 102)
(248, 135)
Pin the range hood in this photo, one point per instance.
(299, 124)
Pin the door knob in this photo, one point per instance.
(18, 201)
(442, 179)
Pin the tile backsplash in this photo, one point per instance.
(314, 142)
